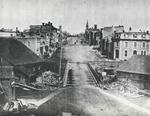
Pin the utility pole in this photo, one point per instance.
(60, 62)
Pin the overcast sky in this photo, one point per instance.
(73, 14)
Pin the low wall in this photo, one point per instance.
(139, 80)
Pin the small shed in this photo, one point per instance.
(16, 60)
(137, 70)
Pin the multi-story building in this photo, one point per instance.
(38, 45)
(92, 35)
(7, 33)
(106, 40)
(41, 39)
(127, 44)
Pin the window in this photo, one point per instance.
(117, 53)
(135, 35)
(143, 44)
(144, 52)
(125, 53)
(141, 52)
(134, 52)
(135, 44)
(126, 44)
(143, 36)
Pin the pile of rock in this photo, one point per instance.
(50, 78)
(18, 107)
(125, 88)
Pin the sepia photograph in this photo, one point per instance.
(74, 57)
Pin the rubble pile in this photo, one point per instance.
(125, 88)
(19, 106)
(50, 78)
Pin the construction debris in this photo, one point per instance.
(124, 87)
(18, 106)
(109, 80)
(49, 78)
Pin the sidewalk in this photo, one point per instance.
(65, 77)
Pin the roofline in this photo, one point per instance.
(130, 39)
(132, 32)
(133, 72)
(8, 31)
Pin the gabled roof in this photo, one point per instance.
(17, 53)
(137, 64)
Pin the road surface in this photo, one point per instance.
(82, 97)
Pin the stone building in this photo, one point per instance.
(106, 40)
(92, 35)
(127, 44)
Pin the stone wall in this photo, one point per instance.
(139, 80)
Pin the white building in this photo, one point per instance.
(7, 33)
(38, 45)
(127, 44)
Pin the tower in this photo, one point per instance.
(87, 25)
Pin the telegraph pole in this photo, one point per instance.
(60, 62)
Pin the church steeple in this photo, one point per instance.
(87, 25)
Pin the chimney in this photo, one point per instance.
(95, 26)
(147, 32)
(130, 29)
(49, 23)
(43, 24)
(17, 29)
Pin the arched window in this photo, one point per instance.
(144, 52)
(125, 53)
(141, 52)
(134, 52)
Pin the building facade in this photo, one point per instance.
(92, 35)
(7, 33)
(38, 45)
(106, 40)
(41, 39)
(127, 44)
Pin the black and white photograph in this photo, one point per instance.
(74, 57)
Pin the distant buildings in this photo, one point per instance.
(92, 35)
(116, 43)
(7, 33)
(106, 45)
(42, 39)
